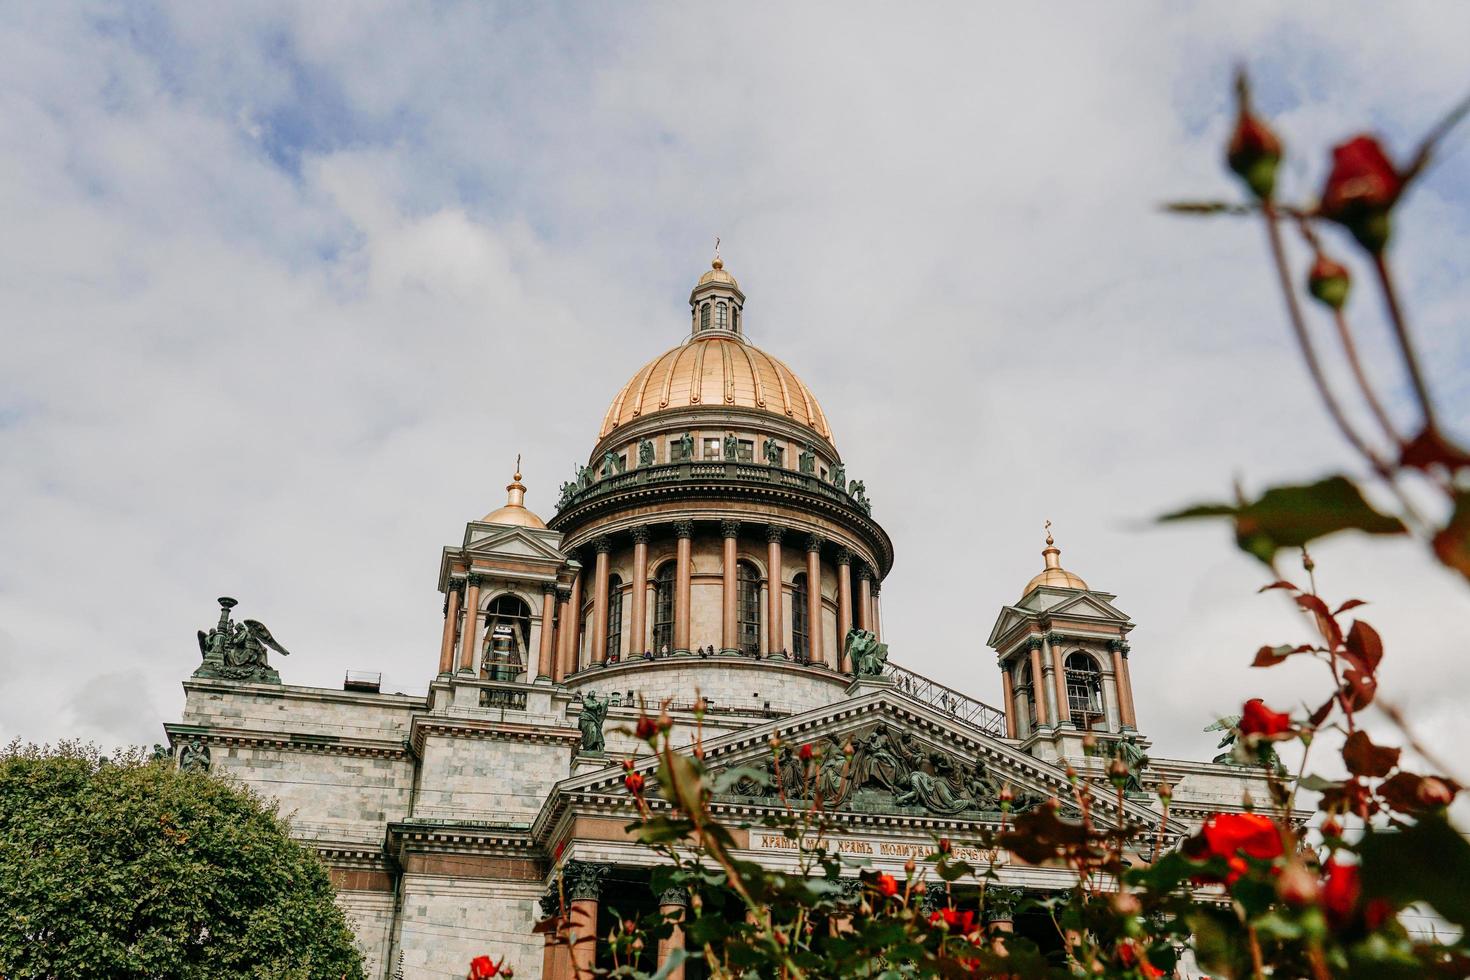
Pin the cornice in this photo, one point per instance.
(295, 741)
(426, 725)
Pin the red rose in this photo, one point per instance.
(887, 885)
(1253, 153)
(1227, 835)
(646, 728)
(953, 919)
(1257, 719)
(634, 782)
(944, 845)
(1360, 190)
(805, 752)
(482, 968)
(1341, 889)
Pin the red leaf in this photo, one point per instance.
(1452, 543)
(1430, 448)
(1279, 584)
(1320, 715)
(1328, 626)
(1270, 656)
(1410, 793)
(1363, 758)
(1350, 604)
(1364, 642)
(1358, 690)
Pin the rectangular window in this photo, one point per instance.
(712, 449)
(676, 452)
(745, 452)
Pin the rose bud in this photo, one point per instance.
(646, 728)
(775, 743)
(847, 749)
(1166, 790)
(507, 972)
(1296, 885)
(1126, 904)
(1331, 827)
(1089, 744)
(944, 845)
(1254, 153)
(628, 765)
(1006, 796)
(1328, 282)
(1361, 189)
(1435, 792)
(1118, 773)
(919, 887)
(805, 753)
(634, 782)
(908, 867)
(1257, 719)
(1071, 774)
(664, 721)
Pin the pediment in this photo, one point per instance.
(1090, 606)
(960, 769)
(1010, 617)
(514, 542)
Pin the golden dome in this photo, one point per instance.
(1053, 574)
(718, 274)
(718, 369)
(514, 512)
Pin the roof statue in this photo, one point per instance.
(236, 651)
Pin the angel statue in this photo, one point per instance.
(868, 656)
(1237, 755)
(236, 651)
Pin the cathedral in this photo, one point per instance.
(715, 548)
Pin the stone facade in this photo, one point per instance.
(714, 548)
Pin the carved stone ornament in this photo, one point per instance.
(851, 890)
(867, 654)
(584, 880)
(640, 534)
(683, 529)
(814, 542)
(1000, 903)
(645, 453)
(839, 476)
(237, 651)
(602, 544)
(1033, 643)
(590, 721)
(686, 448)
(194, 756)
(730, 529)
(774, 533)
(678, 895)
(935, 898)
(732, 448)
(550, 904)
(807, 461)
(771, 451)
(843, 556)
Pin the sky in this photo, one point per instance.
(285, 288)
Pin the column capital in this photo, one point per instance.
(935, 898)
(1115, 646)
(475, 579)
(1033, 642)
(678, 895)
(1055, 638)
(877, 586)
(454, 585)
(584, 880)
(844, 556)
(864, 572)
(573, 554)
(774, 533)
(548, 588)
(730, 529)
(814, 542)
(640, 534)
(684, 529)
(602, 544)
(1000, 903)
(564, 593)
(550, 904)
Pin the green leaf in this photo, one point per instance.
(1293, 516)
(1426, 862)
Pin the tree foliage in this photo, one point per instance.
(130, 868)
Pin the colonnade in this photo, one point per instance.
(1050, 708)
(561, 605)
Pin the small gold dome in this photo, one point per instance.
(514, 512)
(716, 370)
(718, 274)
(1053, 574)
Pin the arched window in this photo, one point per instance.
(614, 617)
(1084, 690)
(748, 607)
(800, 630)
(721, 316)
(663, 609)
(507, 638)
(704, 317)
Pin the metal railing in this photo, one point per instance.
(733, 472)
(960, 706)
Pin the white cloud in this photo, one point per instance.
(287, 288)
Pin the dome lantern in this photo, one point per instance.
(716, 302)
(515, 510)
(1053, 574)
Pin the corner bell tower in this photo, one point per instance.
(1063, 656)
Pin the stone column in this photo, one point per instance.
(1000, 913)
(865, 598)
(638, 630)
(599, 600)
(729, 613)
(671, 905)
(1124, 684)
(1038, 683)
(1059, 678)
(546, 662)
(877, 619)
(556, 958)
(814, 599)
(844, 606)
(563, 633)
(684, 532)
(584, 886)
(775, 627)
(574, 628)
(451, 625)
(1008, 695)
(470, 634)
